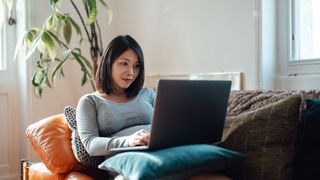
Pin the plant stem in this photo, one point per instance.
(94, 47)
(101, 45)
(81, 18)
(92, 37)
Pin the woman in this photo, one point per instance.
(119, 104)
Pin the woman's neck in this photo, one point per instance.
(116, 97)
(116, 92)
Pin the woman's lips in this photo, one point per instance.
(127, 80)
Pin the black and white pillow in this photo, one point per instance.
(77, 147)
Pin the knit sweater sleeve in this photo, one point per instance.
(88, 130)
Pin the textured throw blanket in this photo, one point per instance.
(241, 101)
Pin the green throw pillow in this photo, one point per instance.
(180, 161)
(267, 136)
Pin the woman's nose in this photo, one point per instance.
(130, 70)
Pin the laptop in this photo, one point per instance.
(187, 112)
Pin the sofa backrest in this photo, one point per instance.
(51, 140)
(304, 137)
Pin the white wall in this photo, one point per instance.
(193, 36)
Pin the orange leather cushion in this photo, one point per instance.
(39, 171)
(51, 140)
(78, 176)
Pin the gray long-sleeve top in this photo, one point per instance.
(98, 119)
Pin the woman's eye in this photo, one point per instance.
(124, 63)
(137, 66)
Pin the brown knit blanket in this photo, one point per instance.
(245, 100)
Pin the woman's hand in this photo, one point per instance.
(139, 138)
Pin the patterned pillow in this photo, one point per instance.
(267, 136)
(78, 149)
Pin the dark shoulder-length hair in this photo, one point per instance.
(117, 46)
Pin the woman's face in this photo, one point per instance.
(125, 70)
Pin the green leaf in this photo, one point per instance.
(58, 68)
(109, 16)
(54, 4)
(18, 48)
(67, 31)
(49, 43)
(43, 78)
(83, 68)
(86, 61)
(48, 83)
(77, 50)
(92, 8)
(76, 27)
(25, 41)
(108, 11)
(34, 45)
(61, 72)
(55, 37)
(30, 36)
(104, 3)
(30, 40)
(89, 65)
(39, 79)
(50, 22)
(37, 91)
(42, 47)
(59, 19)
(84, 79)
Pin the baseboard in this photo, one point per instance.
(10, 177)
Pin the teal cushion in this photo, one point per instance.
(308, 157)
(313, 108)
(168, 162)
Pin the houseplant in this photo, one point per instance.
(53, 42)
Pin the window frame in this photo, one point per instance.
(3, 32)
(3, 61)
(8, 32)
(298, 66)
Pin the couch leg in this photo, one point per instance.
(24, 169)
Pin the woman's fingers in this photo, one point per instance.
(139, 138)
(138, 142)
(143, 132)
(142, 138)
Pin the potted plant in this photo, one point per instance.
(52, 41)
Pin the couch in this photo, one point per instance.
(277, 130)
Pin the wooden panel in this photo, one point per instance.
(235, 77)
(4, 134)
